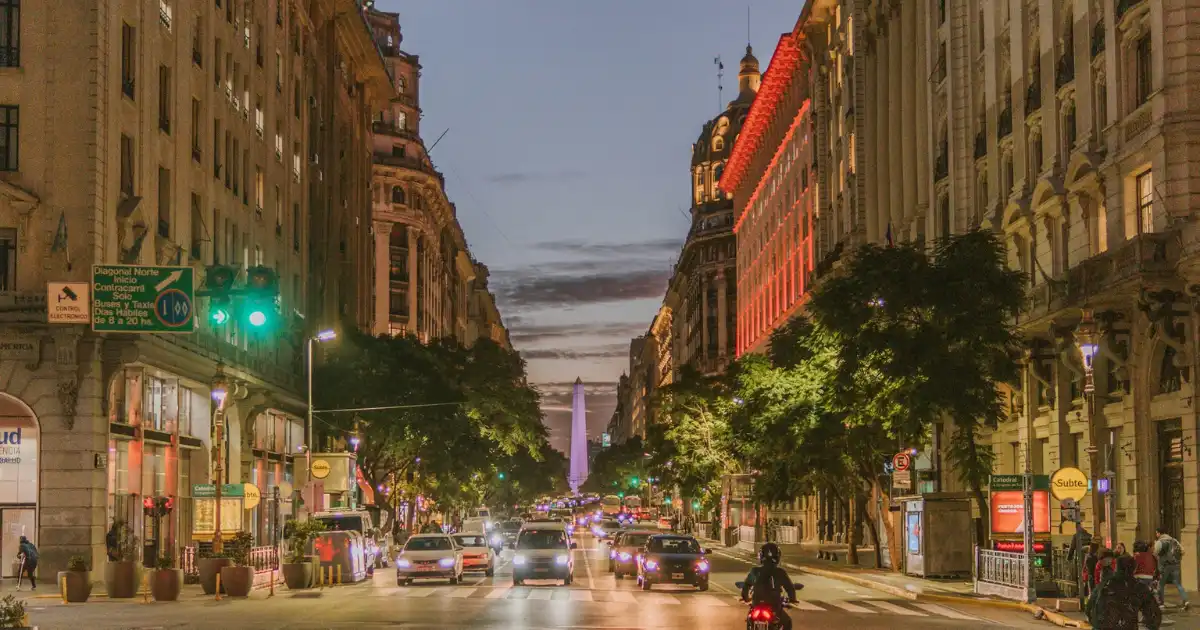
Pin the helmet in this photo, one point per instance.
(769, 554)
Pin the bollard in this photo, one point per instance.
(272, 593)
(63, 587)
(339, 575)
(145, 587)
(218, 587)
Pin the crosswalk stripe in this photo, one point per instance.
(623, 597)
(419, 592)
(463, 591)
(500, 592)
(661, 599)
(894, 609)
(561, 595)
(541, 593)
(706, 600)
(581, 596)
(803, 605)
(848, 607)
(942, 610)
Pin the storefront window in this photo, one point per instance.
(162, 404)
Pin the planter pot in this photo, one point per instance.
(297, 576)
(122, 579)
(237, 581)
(165, 584)
(208, 568)
(79, 585)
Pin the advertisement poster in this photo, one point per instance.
(1008, 512)
(914, 532)
(206, 517)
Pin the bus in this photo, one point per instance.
(610, 505)
(633, 504)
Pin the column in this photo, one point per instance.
(911, 82)
(704, 331)
(413, 286)
(866, 168)
(895, 53)
(879, 161)
(383, 275)
(722, 310)
(923, 112)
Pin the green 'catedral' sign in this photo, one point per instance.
(1000, 483)
(137, 299)
(208, 490)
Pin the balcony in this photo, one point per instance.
(411, 163)
(392, 129)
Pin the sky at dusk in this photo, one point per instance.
(570, 131)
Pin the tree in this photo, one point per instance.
(614, 468)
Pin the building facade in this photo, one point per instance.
(425, 282)
(186, 134)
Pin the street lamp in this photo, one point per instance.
(220, 392)
(324, 335)
(1086, 336)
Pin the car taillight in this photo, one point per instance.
(761, 613)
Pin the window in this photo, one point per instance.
(295, 227)
(259, 192)
(1144, 68)
(401, 121)
(196, 129)
(1144, 189)
(400, 85)
(217, 148)
(296, 101)
(10, 33)
(398, 150)
(164, 202)
(397, 194)
(128, 45)
(197, 228)
(164, 99)
(9, 137)
(8, 259)
(126, 165)
(278, 212)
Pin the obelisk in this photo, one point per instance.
(579, 462)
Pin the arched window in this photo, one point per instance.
(400, 85)
(718, 144)
(1170, 378)
(397, 194)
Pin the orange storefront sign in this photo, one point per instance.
(1008, 512)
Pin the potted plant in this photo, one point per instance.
(208, 566)
(237, 579)
(297, 570)
(166, 581)
(12, 613)
(78, 580)
(123, 576)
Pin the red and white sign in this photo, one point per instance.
(902, 461)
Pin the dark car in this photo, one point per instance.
(671, 559)
(622, 554)
(507, 531)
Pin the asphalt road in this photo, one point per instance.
(595, 601)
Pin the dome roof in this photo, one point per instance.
(749, 61)
(727, 124)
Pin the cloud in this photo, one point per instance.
(653, 247)
(525, 177)
(537, 291)
(594, 352)
(524, 332)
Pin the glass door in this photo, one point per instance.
(14, 523)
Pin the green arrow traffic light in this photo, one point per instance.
(501, 475)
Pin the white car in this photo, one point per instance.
(543, 553)
(429, 556)
(477, 553)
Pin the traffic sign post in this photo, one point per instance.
(139, 299)
(902, 461)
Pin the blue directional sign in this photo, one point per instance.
(137, 299)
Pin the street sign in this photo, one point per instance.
(1102, 485)
(1069, 483)
(902, 479)
(605, 440)
(1016, 482)
(208, 490)
(252, 494)
(137, 299)
(1070, 511)
(902, 461)
(68, 302)
(320, 469)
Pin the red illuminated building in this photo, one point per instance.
(771, 175)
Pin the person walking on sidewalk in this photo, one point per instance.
(1116, 603)
(1147, 565)
(28, 555)
(1090, 559)
(1169, 553)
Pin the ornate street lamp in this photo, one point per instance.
(1086, 336)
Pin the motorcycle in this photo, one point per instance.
(762, 616)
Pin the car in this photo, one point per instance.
(622, 553)
(606, 528)
(477, 553)
(507, 531)
(672, 559)
(429, 556)
(543, 553)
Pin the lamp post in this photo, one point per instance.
(1085, 335)
(220, 392)
(324, 335)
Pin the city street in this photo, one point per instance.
(595, 600)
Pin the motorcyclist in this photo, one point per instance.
(766, 581)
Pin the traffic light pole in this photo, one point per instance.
(219, 394)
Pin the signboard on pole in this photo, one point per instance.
(1008, 505)
(68, 302)
(1069, 483)
(138, 299)
(902, 479)
(902, 461)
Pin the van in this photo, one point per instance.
(474, 525)
(543, 551)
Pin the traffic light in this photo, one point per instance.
(261, 308)
(218, 286)
(635, 481)
(621, 495)
(501, 476)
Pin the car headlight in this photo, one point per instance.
(446, 562)
(561, 560)
(402, 563)
(702, 566)
(518, 560)
(624, 556)
(651, 565)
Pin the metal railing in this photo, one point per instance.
(1065, 572)
(187, 560)
(787, 534)
(264, 558)
(1001, 573)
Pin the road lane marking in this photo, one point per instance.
(943, 611)
(500, 592)
(544, 594)
(894, 609)
(579, 595)
(463, 591)
(848, 607)
(803, 605)
(419, 592)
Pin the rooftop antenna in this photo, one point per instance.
(747, 24)
(435, 142)
(720, 76)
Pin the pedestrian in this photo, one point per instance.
(1117, 603)
(1089, 570)
(1119, 550)
(1079, 544)
(1169, 553)
(1147, 565)
(1105, 565)
(28, 555)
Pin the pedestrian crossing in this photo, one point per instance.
(659, 599)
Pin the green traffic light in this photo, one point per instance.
(219, 316)
(501, 475)
(695, 505)
(621, 495)
(258, 318)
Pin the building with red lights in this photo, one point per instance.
(771, 178)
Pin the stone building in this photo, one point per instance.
(171, 133)
(620, 425)
(425, 278)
